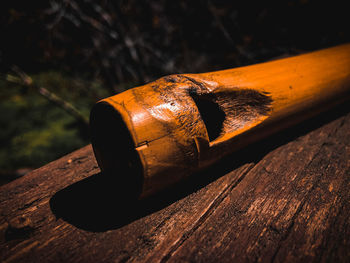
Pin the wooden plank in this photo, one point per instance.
(293, 206)
(283, 199)
(98, 229)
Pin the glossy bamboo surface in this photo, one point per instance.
(159, 133)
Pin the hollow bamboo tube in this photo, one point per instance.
(154, 135)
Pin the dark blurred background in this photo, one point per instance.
(57, 58)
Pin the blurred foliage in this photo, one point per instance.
(34, 131)
(84, 50)
(129, 40)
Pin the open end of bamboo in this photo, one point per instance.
(115, 150)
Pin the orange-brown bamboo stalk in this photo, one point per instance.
(155, 135)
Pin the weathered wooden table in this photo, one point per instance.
(284, 199)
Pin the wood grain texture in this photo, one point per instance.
(285, 199)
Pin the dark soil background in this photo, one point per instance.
(82, 50)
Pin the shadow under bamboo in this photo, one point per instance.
(155, 135)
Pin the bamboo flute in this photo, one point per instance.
(155, 135)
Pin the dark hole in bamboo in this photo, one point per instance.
(211, 113)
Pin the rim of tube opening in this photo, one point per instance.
(114, 150)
